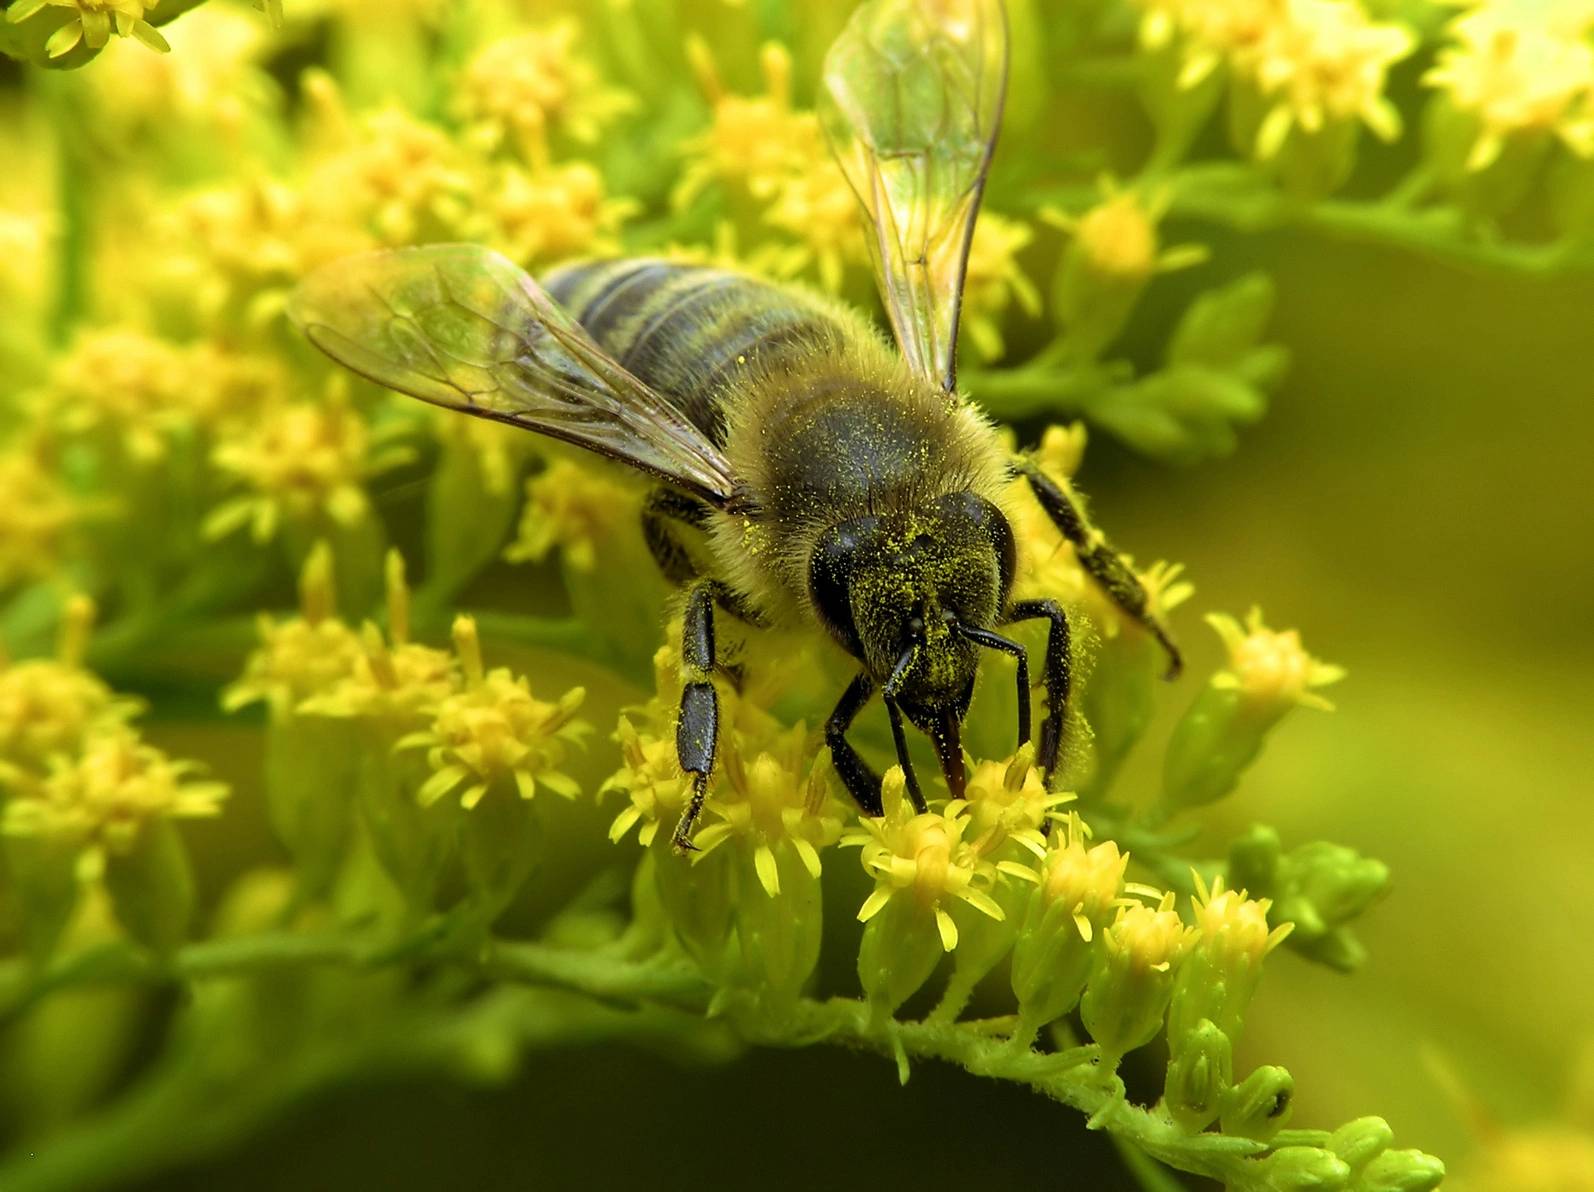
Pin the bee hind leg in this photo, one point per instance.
(1099, 559)
(697, 723)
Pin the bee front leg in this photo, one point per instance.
(862, 783)
(697, 724)
(1099, 559)
(1058, 675)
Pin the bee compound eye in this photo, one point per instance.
(831, 569)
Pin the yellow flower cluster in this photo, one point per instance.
(1520, 71)
(37, 514)
(1313, 63)
(92, 22)
(73, 771)
(1268, 668)
(575, 507)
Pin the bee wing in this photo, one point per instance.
(911, 104)
(460, 326)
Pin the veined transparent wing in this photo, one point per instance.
(460, 326)
(912, 100)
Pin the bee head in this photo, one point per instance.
(894, 589)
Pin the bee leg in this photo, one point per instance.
(1058, 676)
(1099, 559)
(862, 783)
(697, 724)
(900, 739)
(995, 641)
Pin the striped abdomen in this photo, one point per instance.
(686, 329)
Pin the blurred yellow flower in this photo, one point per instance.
(493, 731)
(1517, 73)
(1117, 240)
(520, 89)
(50, 706)
(573, 506)
(758, 141)
(101, 799)
(995, 280)
(303, 461)
(36, 515)
(554, 212)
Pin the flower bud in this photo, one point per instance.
(1259, 1106)
(1223, 731)
(152, 887)
(1359, 1142)
(1319, 887)
(1221, 973)
(1131, 981)
(1200, 1070)
(1299, 1169)
(1401, 1171)
(1078, 890)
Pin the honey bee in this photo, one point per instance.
(825, 480)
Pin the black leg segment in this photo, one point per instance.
(995, 641)
(1099, 559)
(862, 783)
(1058, 675)
(697, 725)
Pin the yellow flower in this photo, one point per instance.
(994, 280)
(125, 382)
(50, 706)
(1517, 73)
(922, 858)
(494, 731)
(1148, 938)
(757, 141)
(1325, 63)
(36, 514)
(390, 678)
(304, 461)
(93, 22)
(1268, 668)
(1088, 881)
(651, 777)
(574, 507)
(1232, 928)
(555, 212)
(1117, 241)
(1008, 800)
(303, 657)
(815, 205)
(521, 88)
(768, 805)
(101, 799)
(388, 173)
(1208, 33)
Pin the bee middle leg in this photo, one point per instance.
(697, 723)
(1099, 559)
(1057, 676)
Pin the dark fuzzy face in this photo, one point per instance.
(892, 590)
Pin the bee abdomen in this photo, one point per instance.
(686, 329)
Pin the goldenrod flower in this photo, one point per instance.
(995, 280)
(814, 204)
(1088, 882)
(391, 678)
(101, 799)
(494, 731)
(1008, 801)
(1225, 961)
(773, 801)
(521, 88)
(1128, 989)
(572, 506)
(126, 383)
(303, 657)
(923, 860)
(651, 777)
(1117, 239)
(1323, 63)
(758, 141)
(1517, 73)
(555, 212)
(304, 461)
(92, 22)
(1270, 669)
(1208, 33)
(36, 514)
(50, 706)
